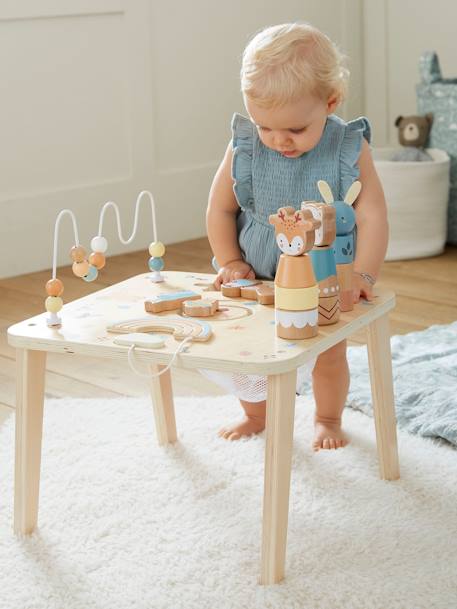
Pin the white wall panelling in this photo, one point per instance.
(75, 121)
(395, 35)
(104, 98)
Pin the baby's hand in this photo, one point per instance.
(361, 287)
(237, 269)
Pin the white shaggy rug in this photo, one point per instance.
(124, 523)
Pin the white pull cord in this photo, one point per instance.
(152, 376)
(135, 222)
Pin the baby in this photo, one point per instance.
(292, 81)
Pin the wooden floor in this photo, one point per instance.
(426, 294)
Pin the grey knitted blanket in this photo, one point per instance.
(425, 381)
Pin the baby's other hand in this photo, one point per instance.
(237, 269)
(361, 287)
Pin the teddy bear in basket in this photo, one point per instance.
(413, 132)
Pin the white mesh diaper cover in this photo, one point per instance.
(251, 387)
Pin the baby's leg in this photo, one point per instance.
(331, 385)
(253, 421)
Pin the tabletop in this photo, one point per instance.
(243, 337)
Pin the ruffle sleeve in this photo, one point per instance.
(242, 143)
(351, 148)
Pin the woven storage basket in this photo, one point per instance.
(439, 96)
(417, 198)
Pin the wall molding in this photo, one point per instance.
(376, 68)
(352, 42)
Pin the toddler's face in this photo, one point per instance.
(294, 128)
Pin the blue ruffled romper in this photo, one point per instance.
(264, 180)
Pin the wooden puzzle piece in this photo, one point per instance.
(169, 301)
(180, 327)
(232, 289)
(200, 308)
(264, 294)
(252, 289)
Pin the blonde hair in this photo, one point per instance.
(284, 62)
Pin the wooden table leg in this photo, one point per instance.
(380, 361)
(162, 403)
(278, 461)
(31, 366)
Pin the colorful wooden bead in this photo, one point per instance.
(91, 274)
(53, 304)
(99, 244)
(54, 287)
(97, 259)
(77, 253)
(156, 249)
(80, 268)
(156, 264)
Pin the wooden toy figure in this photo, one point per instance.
(249, 288)
(296, 291)
(344, 242)
(323, 259)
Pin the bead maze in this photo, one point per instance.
(87, 267)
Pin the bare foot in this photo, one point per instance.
(251, 424)
(328, 434)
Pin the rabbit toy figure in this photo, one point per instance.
(344, 241)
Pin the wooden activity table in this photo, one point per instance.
(243, 341)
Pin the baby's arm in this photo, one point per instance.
(221, 225)
(372, 226)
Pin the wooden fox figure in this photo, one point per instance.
(296, 291)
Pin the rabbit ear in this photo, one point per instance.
(353, 192)
(325, 191)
